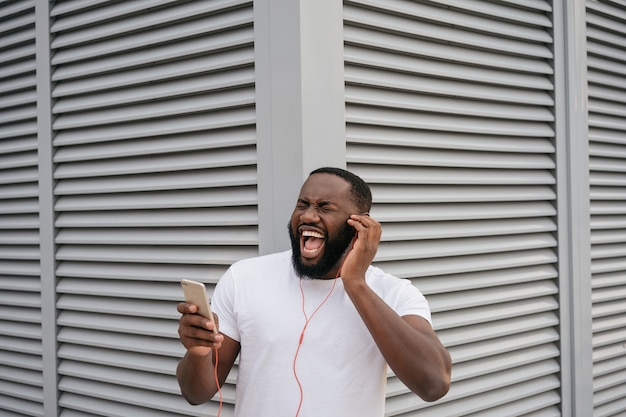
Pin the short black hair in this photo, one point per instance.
(360, 191)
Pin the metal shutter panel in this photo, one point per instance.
(449, 115)
(21, 379)
(155, 169)
(606, 57)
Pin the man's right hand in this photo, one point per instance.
(196, 332)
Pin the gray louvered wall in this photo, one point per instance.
(449, 117)
(155, 181)
(21, 363)
(606, 45)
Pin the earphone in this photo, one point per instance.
(306, 323)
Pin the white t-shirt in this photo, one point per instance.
(342, 372)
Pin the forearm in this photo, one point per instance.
(195, 375)
(409, 346)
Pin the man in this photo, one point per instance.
(315, 326)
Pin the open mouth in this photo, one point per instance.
(311, 243)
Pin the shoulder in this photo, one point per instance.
(273, 261)
(259, 269)
(379, 279)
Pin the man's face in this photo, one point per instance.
(318, 229)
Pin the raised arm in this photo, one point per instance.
(408, 344)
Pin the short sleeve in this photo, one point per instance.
(411, 301)
(223, 304)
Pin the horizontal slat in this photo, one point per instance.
(478, 313)
(459, 265)
(165, 72)
(384, 116)
(608, 251)
(21, 329)
(398, 157)
(362, 76)
(457, 106)
(360, 60)
(115, 358)
(430, 173)
(606, 208)
(119, 401)
(482, 350)
(608, 309)
(109, 19)
(150, 128)
(221, 255)
(122, 290)
(16, 275)
(157, 109)
(75, 63)
(148, 345)
(11, 9)
(463, 333)
(160, 145)
(14, 307)
(21, 391)
(20, 253)
(119, 376)
(608, 367)
(17, 191)
(609, 351)
(443, 230)
(75, 45)
(19, 237)
(124, 313)
(112, 104)
(391, 136)
(458, 194)
(231, 159)
(608, 265)
(219, 216)
(406, 250)
(611, 381)
(174, 237)
(20, 345)
(534, 292)
(519, 11)
(139, 273)
(21, 360)
(607, 16)
(480, 395)
(76, 14)
(484, 279)
(354, 35)
(387, 213)
(22, 128)
(21, 376)
(243, 196)
(494, 34)
(612, 337)
(610, 236)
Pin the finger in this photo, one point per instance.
(187, 308)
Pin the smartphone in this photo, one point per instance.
(195, 293)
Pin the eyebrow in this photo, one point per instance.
(319, 203)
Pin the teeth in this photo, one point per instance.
(311, 233)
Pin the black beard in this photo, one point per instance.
(334, 249)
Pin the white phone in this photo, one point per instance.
(195, 293)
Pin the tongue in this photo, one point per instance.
(313, 243)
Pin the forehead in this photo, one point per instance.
(325, 187)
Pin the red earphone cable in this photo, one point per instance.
(217, 382)
(306, 323)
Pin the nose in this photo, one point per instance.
(310, 215)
